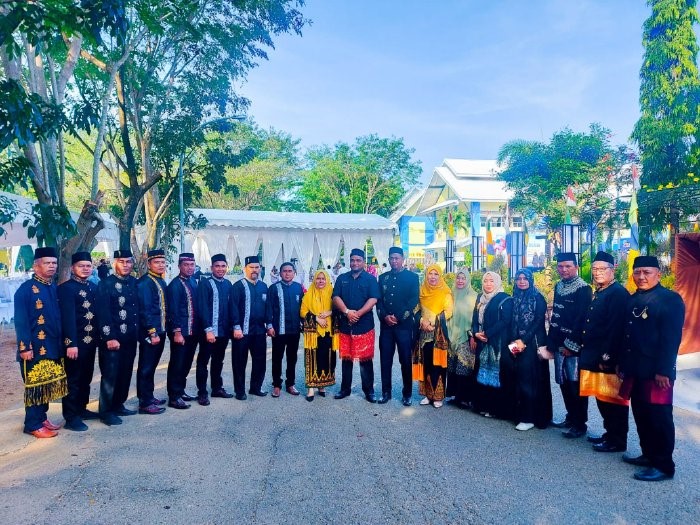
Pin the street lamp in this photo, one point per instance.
(570, 239)
(180, 177)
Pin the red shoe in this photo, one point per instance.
(43, 432)
(51, 426)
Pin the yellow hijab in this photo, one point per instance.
(434, 299)
(318, 300)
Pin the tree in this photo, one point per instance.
(669, 98)
(369, 176)
(539, 174)
(265, 180)
(181, 74)
(40, 45)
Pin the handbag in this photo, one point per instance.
(489, 367)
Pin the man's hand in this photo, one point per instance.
(112, 344)
(481, 336)
(271, 332)
(155, 339)
(27, 356)
(391, 320)
(237, 334)
(211, 338)
(353, 316)
(663, 382)
(72, 352)
(178, 339)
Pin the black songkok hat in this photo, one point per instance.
(185, 256)
(80, 256)
(645, 261)
(252, 259)
(123, 254)
(396, 249)
(567, 256)
(358, 252)
(46, 251)
(218, 257)
(155, 254)
(287, 264)
(605, 257)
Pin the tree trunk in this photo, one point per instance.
(88, 225)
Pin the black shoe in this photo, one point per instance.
(259, 393)
(651, 474)
(385, 399)
(76, 425)
(639, 461)
(574, 433)
(606, 446)
(123, 411)
(187, 397)
(111, 419)
(595, 439)
(86, 415)
(370, 398)
(322, 393)
(222, 393)
(152, 409)
(156, 401)
(562, 424)
(341, 395)
(309, 398)
(406, 401)
(241, 397)
(203, 400)
(179, 403)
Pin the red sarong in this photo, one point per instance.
(357, 347)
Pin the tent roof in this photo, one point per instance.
(292, 220)
(467, 181)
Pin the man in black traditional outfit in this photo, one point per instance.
(572, 297)
(183, 325)
(118, 314)
(213, 303)
(653, 331)
(38, 329)
(284, 327)
(154, 310)
(248, 315)
(78, 300)
(354, 295)
(398, 298)
(601, 350)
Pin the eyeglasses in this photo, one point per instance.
(601, 270)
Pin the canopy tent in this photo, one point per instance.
(286, 235)
(16, 234)
(687, 268)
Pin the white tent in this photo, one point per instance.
(284, 235)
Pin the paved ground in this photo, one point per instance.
(289, 461)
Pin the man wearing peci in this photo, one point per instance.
(398, 298)
(653, 330)
(354, 295)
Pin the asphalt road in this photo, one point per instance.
(289, 461)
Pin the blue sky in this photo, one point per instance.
(453, 78)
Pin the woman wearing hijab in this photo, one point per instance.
(533, 396)
(461, 358)
(491, 326)
(320, 336)
(430, 354)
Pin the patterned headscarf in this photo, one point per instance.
(524, 302)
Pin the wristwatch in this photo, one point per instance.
(346, 311)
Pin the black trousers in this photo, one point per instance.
(116, 367)
(149, 357)
(391, 340)
(657, 433)
(79, 374)
(576, 405)
(615, 422)
(216, 352)
(284, 344)
(181, 357)
(257, 346)
(127, 356)
(35, 415)
(366, 375)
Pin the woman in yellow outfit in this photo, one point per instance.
(430, 353)
(320, 336)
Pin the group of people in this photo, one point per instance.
(488, 351)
